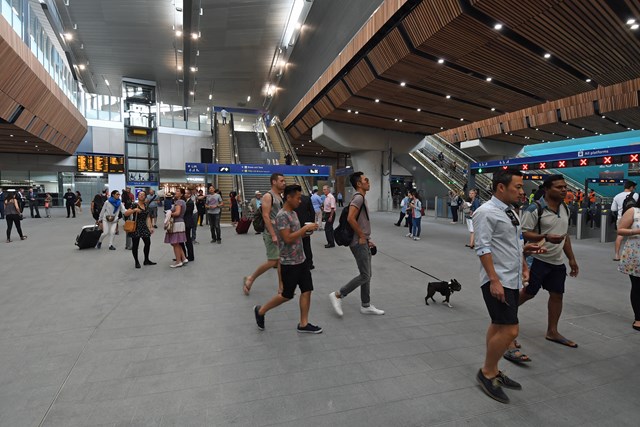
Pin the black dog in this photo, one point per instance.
(445, 289)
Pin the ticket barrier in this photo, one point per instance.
(441, 208)
(594, 223)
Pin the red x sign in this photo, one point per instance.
(583, 162)
(562, 164)
(526, 167)
(633, 158)
(606, 160)
(542, 165)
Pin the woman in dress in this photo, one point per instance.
(143, 230)
(189, 224)
(108, 218)
(79, 201)
(48, 200)
(472, 204)
(13, 215)
(177, 234)
(235, 215)
(630, 258)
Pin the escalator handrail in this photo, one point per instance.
(286, 144)
(234, 150)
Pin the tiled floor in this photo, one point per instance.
(87, 340)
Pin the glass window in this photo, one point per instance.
(6, 10)
(16, 9)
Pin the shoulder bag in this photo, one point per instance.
(130, 225)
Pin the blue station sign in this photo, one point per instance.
(596, 157)
(257, 169)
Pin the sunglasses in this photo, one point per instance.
(512, 216)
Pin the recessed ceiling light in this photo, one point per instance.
(582, 128)
(36, 146)
(403, 84)
(441, 128)
(567, 123)
(309, 140)
(195, 36)
(377, 100)
(210, 96)
(604, 117)
(553, 133)
(547, 55)
(191, 93)
(395, 120)
(461, 119)
(193, 69)
(68, 36)
(497, 27)
(596, 133)
(26, 141)
(588, 80)
(400, 120)
(106, 82)
(242, 119)
(488, 79)
(448, 96)
(82, 66)
(537, 129)
(418, 110)
(11, 136)
(178, 33)
(303, 145)
(635, 26)
(616, 123)
(493, 108)
(631, 21)
(179, 67)
(440, 61)
(248, 98)
(357, 112)
(348, 111)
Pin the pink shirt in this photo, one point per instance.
(329, 203)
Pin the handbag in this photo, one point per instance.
(168, 226)
(109, 218)
(46, 205)
(130, 225)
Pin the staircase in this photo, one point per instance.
(225, 182)
(281, 144)
(249, 152)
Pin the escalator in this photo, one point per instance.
(250, 152)
(224, 154)
(279, 140)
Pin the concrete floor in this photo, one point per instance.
(86, 339)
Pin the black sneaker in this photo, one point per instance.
(309, 329)
(508, 382)
(492, 387)
(259, 319)
(112, 248)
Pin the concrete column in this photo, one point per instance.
(371, 163)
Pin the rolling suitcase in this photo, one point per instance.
(88, 237)
(243, 225)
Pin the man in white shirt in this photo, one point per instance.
(329, 209)
(499, 244)
(617, 206)
(224, 113)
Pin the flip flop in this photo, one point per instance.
(511, 356)
(616, 259)
(246, 289)
(562, 341)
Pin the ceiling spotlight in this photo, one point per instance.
(582, 128)
(179, 67)
(193, 69)
(403, 84)
(616, 123)
(303, 145)
(493, 109)
(68, 36)
(11, 136)
(497, 27)
(395, 120)
(440, 61)
(194, 36)
(106, 82)
(441, 128)
(82, 66)
(418, 110)
(309, 140)
(588, 80)
(210, 96)
(635, 26)
(242, 119)
(461, 119)
(547, 55)
(36, 146)
(631, 21)
(248, 98)
(400, 120)
(448, 97)
(357, 112)
(377, 100)
(604, 117)
(192, 93)
(537, 129)
(178, 33)
(488, 79)
(348, 111)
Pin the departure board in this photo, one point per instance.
(100, 163)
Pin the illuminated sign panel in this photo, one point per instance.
(104, 163)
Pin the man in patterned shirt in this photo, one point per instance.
(294, 270)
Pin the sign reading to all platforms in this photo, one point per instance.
(250, 169)
(574, 159)
(96, 162)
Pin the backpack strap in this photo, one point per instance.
(541, 209)
(361, 207)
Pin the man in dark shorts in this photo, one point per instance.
(548, 269)
(295, 271)
(499, 244)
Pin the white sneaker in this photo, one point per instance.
(336, 303)
(409, 235)
(416, 238)
(371, 310)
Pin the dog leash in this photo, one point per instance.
(409, 265)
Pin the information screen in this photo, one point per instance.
(100, 163)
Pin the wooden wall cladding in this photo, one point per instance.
(429, 17)
(388, 52)
(339, 94)
(24, 81)
(359, 77)
(386, 10)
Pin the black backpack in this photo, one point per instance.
(258, 221)
(629, 202)
(343, 234)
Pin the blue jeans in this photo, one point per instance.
(417, 226)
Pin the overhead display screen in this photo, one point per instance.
(105, 163)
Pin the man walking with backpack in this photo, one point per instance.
(361, 246)
(546, 222)
(621, 203)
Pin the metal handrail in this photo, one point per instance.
(236, 156)
(286, 144)
(216, 148)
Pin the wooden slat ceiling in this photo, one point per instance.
(497, 80)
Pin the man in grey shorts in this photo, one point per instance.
(152, 205)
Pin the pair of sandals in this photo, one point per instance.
(470, 246)
(517, 356)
